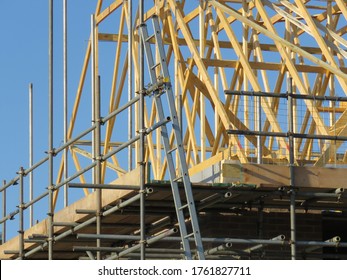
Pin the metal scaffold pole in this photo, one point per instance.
(66, 195)
(98, 165)
(31, 157)
(259, 139)
(93, 81)
(291, 170)
(142, 140)
(50, 132)
(202, 97)
(130, 81)
(3, 234)
(97, 131)
(21, 213)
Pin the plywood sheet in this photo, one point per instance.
(275, 175)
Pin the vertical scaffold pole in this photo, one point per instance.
(50, 132)
(246, 105)
(66, 195)
(202, 97)
(21, 213)
(291, 170)
(130, 81)
(259, 145)
(93, 82)
(96, 135)
(142, 140)
(98, 165)
(31, 157)
(3, 235)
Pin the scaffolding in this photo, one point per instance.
(258, 126)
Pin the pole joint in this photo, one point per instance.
(99, 121)
(144, 241)
(52, 152)
(51, 188)
(292, 190)
(142, 131)
(22, 172)
(143, 91)
(50, 239)
(22, 206)
(99, 213)
(99, 158)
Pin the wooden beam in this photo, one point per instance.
(343, 7)
(109, 10)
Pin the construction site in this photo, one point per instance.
(199, 130)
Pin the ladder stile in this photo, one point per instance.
(159, 85)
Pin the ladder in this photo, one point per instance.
(159, 86)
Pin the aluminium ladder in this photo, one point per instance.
(160, 85)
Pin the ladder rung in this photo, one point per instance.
(172, 150)
(183, 207)
(189, 235)
(177, 179)
(155, 66)
(149, 38)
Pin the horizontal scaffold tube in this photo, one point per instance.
(148, 241)
(277, 241)
(287, 134)
(285, 95)
(103, 186)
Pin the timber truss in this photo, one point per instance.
(218, 46)
(232, 63)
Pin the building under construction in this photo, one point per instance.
(217, 130)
